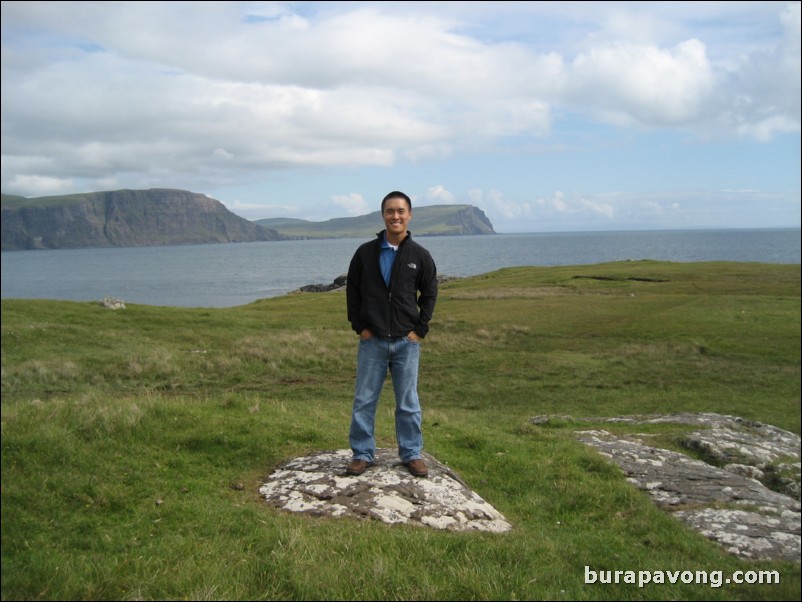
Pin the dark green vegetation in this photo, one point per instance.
(126, 434)
(13, 201)
(435, 220)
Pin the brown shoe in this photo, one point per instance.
(417, 468)
(357, 467)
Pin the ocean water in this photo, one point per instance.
(226, 275)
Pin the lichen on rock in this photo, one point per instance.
(317, 484)
(720, 498)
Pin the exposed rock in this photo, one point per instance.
(755, 535)
(441, 278)
(340, 281)
(317, 485)
(727, 504)
(745, 447)
(112, 303)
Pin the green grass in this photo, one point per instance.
(126, 436)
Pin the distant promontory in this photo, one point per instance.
(160, 216)
(435, 220)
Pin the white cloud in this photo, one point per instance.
(353, 203)
(645, 85)
(557, 201)
(256, 211)
(222, 153)
(202, 95)
(45, 186)
(760, 98)
(676, 209)
(437, 195)
(504, 210)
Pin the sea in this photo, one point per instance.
(233, 274)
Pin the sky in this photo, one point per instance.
(548, 116)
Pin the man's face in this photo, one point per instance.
(396, 215)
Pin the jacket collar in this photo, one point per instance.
(380, 237)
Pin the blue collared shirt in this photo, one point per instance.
(386, 259)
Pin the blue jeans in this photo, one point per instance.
(375, 357)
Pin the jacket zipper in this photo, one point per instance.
(393, 278)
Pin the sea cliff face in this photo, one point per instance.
(123, 218)
(134, 218)
(471, 220)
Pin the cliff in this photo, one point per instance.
(134, 218)
(123, 218)
(436, 220)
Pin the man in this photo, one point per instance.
(391, 293)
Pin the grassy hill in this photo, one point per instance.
(437, 220)
(13, 201)
(134, 441)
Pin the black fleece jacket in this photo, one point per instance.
(397, 310)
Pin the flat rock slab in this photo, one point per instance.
(725, 503)
(317, 484)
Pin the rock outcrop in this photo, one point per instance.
(317, 485)
(340, 282)
(112, 303)
(722, 498)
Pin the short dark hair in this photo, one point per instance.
(395, 194)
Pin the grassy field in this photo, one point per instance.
(134, 441)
